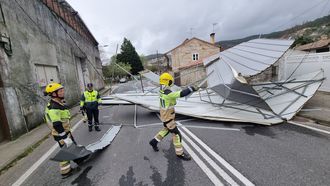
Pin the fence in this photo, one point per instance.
(306, 63)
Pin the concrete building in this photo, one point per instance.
(41, 41)
(186, 60)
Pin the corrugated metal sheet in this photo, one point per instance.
(252, 57)
(232, 98)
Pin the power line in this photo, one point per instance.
(306, 55)
(302, 13)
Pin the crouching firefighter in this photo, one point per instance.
(57, 116)
(90, 101)
(167, 115)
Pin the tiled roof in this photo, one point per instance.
(314, 45)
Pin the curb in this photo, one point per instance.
(30, 148)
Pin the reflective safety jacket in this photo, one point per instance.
(57, 116)
(90, 99)
(167, 100)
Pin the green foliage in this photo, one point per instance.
(128, 55)
(113, 72)
(302, 40)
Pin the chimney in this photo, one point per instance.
(212, 36)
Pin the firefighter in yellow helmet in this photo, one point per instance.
(57, 116)
(167, 100)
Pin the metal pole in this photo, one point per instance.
(135, 116)
(141, 83)
(158, 62)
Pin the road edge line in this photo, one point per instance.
(22, 178)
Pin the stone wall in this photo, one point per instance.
(39, 38)
(193, 75)
(182, 56)
(181, 60)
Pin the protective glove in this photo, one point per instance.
(192, 88)
(68, 141)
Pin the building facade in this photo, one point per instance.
(41, 41)
(186, 60)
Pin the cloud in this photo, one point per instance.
(153, 25)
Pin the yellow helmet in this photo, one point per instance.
(52, 87)
(166, 79)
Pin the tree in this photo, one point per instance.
(112, 71)
(128, 55)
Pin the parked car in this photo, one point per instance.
(122, 80)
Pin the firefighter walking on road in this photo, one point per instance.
(89, 102)
(167, 115)
(57, 116)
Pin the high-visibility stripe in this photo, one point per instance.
(66, 167)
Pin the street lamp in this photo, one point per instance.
(101, 46)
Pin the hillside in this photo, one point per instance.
(153, 56)
(305, 33)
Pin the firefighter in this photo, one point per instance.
(57, 116)
(167, 115)
(90, 101)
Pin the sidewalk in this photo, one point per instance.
(12, 151)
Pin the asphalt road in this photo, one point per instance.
(223, 154)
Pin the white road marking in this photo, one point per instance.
(160, 123)
(215, 180)
(146, 125)
(221, 172)
(40, 161)
(213, 128)
(309, 127)
(135, 116)
(230, 168)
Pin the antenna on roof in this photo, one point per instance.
(191, 32)
(213, 25)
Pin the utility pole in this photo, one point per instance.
(115, 60)
(158, 62)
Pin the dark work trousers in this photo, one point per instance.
(92, 113)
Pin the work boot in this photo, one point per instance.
(97, 128)
(153, 144)
(90, 128)
(185, 157)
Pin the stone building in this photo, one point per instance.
(41, 41)
(322, 45)
(186, 60)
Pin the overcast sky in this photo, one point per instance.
(161, 25)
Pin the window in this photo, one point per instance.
(46, 74)
(195, 57)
